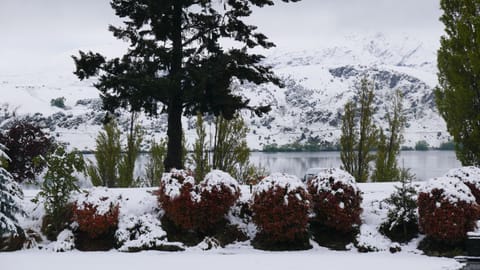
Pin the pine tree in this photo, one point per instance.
(200, 150)
(154, 168)
(10, 197)
(126, 166)
(357, 142)
(388, 147)
(59, 183)
(401, 224)
(458, 96)
(175, 58)
(108, 155)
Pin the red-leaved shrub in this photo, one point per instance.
(280, 209)
(94, 224)
(447, 210)
(336, 200)
(470, 176)
(199, 207)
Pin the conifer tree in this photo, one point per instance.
(458, 96)
(10, 200)
(175, 59)
(108, 155)
(357, 141)
(388, 147)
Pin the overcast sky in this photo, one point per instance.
(39, 30)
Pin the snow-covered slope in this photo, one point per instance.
(317, 85)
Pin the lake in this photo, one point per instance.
(424, 164)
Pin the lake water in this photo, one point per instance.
(424, 164)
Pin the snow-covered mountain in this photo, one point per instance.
(317, 85)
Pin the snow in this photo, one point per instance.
(170, 181)
(140, 206)
(290, 183)
(468, 175)
(98, 196)
(217, 178)
(220, 259)
(453, 190)
(327, 178)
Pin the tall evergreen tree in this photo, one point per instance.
(10, 200)
(358, 141)
(388, 147)
(175, 58)
(458, 96)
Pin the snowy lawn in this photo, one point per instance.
(318, 258)
(137, 202)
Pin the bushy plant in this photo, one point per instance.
(336, 200)
(10, 205)
(95, 216)
(447, 210)
(280, 209)
(470, 176)
(26, 145)
(197, 207)
(401, 224)
(422, 146)
(94, 224)
(154, 167)
(58, 102)
(59, 183)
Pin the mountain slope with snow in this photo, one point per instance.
(308, 109)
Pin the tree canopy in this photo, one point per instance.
(176, 64)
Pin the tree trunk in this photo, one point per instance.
(174, 133)
(175, 108)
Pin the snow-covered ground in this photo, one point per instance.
(141, 201)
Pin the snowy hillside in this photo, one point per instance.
(318, 84)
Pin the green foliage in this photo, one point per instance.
(10, 198)
(175, 59)
(108, 155)
(401, 224)
(299, 147)
(200, 151)
(388, 147)
(422, 146)
(58, 102)
(458, 96)
(447, 146)
(357, 142)
(154, 168)
(230, 150)
(126, 166)
(59, 183)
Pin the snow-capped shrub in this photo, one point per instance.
(143, 232)
(470, 176)
(95, 219)
(447, 209)
(280, 210)
(65, 242)
(335, 200)
(198, 207)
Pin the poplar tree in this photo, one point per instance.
(458, 59)
(358, 140)
(126, 166)
(175, 63)
(388, 148)
(200, 150)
